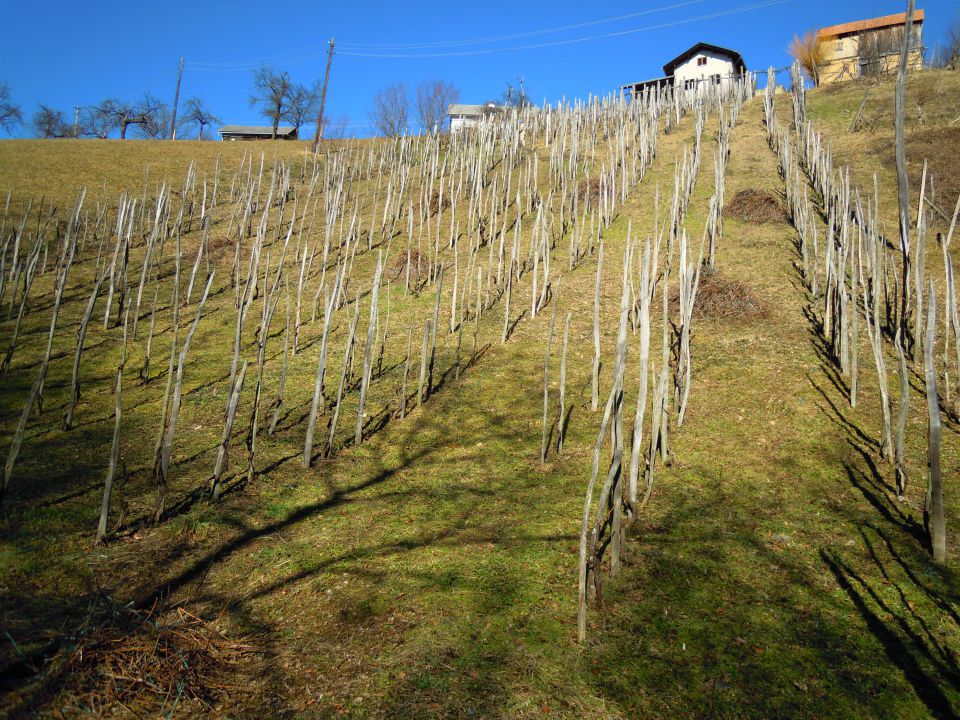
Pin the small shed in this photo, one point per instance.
(255, 132)
(464, 116)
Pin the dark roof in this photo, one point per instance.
(255, 130)
(737, 58)
(655, 81)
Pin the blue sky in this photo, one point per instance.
(69, 53)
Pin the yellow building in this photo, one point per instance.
(869, 47)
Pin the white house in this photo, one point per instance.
(696, 69)
(465, 116)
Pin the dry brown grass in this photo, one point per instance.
(589, 188)
(418, 267)
(436, 204)
(756, 206)
(722, 298)
(58, 169)
(147, 663)
(940, 147)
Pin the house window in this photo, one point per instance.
(701, 61)
(716, 79)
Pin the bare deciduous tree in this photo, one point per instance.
(156, 123)
(271, 91)
(50, 123)
(10, 115)
(141, 113)
(302, 103)
(390, 114)
(109, 115)
(433, 97)
(96, 121)
(337, 129)
(951, 45)
(196, 113)
(516, 95)
(811, 52)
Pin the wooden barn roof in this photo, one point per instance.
(871, 24)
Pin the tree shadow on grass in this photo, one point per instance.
(768, 638)
(877, 492)
(854, 432)
(827, 362)
(148, 594)
(902, 645)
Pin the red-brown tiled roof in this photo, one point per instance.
(872, 24)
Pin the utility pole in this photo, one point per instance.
(318, 135)
(176, 101)
(76, 121)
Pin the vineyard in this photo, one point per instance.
(605, 409)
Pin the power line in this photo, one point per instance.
(316, 53)
(311, 54)
(555, 43)
(288, 59)
(517, 36)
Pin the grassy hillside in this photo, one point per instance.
(931, 127)
(431, 571)
(106, 168)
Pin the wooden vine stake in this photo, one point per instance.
(595, 375)
(171, 430)
(115, 445)
(367, 368)
(562, 416)
(933, 504)
(347, 352)
(224, 447)
(546, 382)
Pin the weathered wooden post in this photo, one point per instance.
(933, 504)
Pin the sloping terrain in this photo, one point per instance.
(431, 571)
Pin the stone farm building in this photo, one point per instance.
(697, 69)
(869, 47)
(255, 132)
